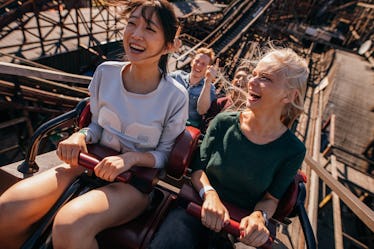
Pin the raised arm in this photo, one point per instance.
(207, 94)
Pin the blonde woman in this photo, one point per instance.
(247, 158)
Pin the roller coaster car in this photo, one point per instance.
(138, 233)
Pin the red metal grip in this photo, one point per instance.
(87, 161)
(90, 162)
(231, 228)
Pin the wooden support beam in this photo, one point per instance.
(365, 5)
(36, 95)
(357, 242)
(363, 212)
(343, 6)
(12, 122)
(54, 87)
(257, 15)
(21, 70)
(314, 179)
(337, 218)
(354, 32)
(28, 62)
(222, 27)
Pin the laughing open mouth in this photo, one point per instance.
(136, 47)
(254, 97)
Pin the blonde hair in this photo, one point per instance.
(295, 70)
(208, 52)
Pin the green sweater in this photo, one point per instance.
(242, 171)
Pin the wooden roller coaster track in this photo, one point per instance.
(31, 31)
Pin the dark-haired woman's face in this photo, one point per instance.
(143, 40)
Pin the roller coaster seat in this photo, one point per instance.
(138, 233)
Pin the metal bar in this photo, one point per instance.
(29, 165)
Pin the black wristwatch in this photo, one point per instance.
(265, 215)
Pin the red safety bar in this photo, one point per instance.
(285, 208)
(232, 227)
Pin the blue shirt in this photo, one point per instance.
(193, 92)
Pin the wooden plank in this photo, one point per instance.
(55, 87)
(28, 62)
(338, 233)
(21, 70)
(364, 213)
(356, 177)
(12, 122)
(351, 101)
(351, 175)
(32, 94)
(365, 5)
(314, 179)
(257, 15)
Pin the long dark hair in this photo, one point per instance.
(165, 13)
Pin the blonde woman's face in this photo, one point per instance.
(267, 87)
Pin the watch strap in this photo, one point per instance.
(205, 189)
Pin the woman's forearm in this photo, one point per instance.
(267, 204)
(144, 159)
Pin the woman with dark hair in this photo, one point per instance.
(137, 110)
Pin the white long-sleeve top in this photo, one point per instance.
(127, 121)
